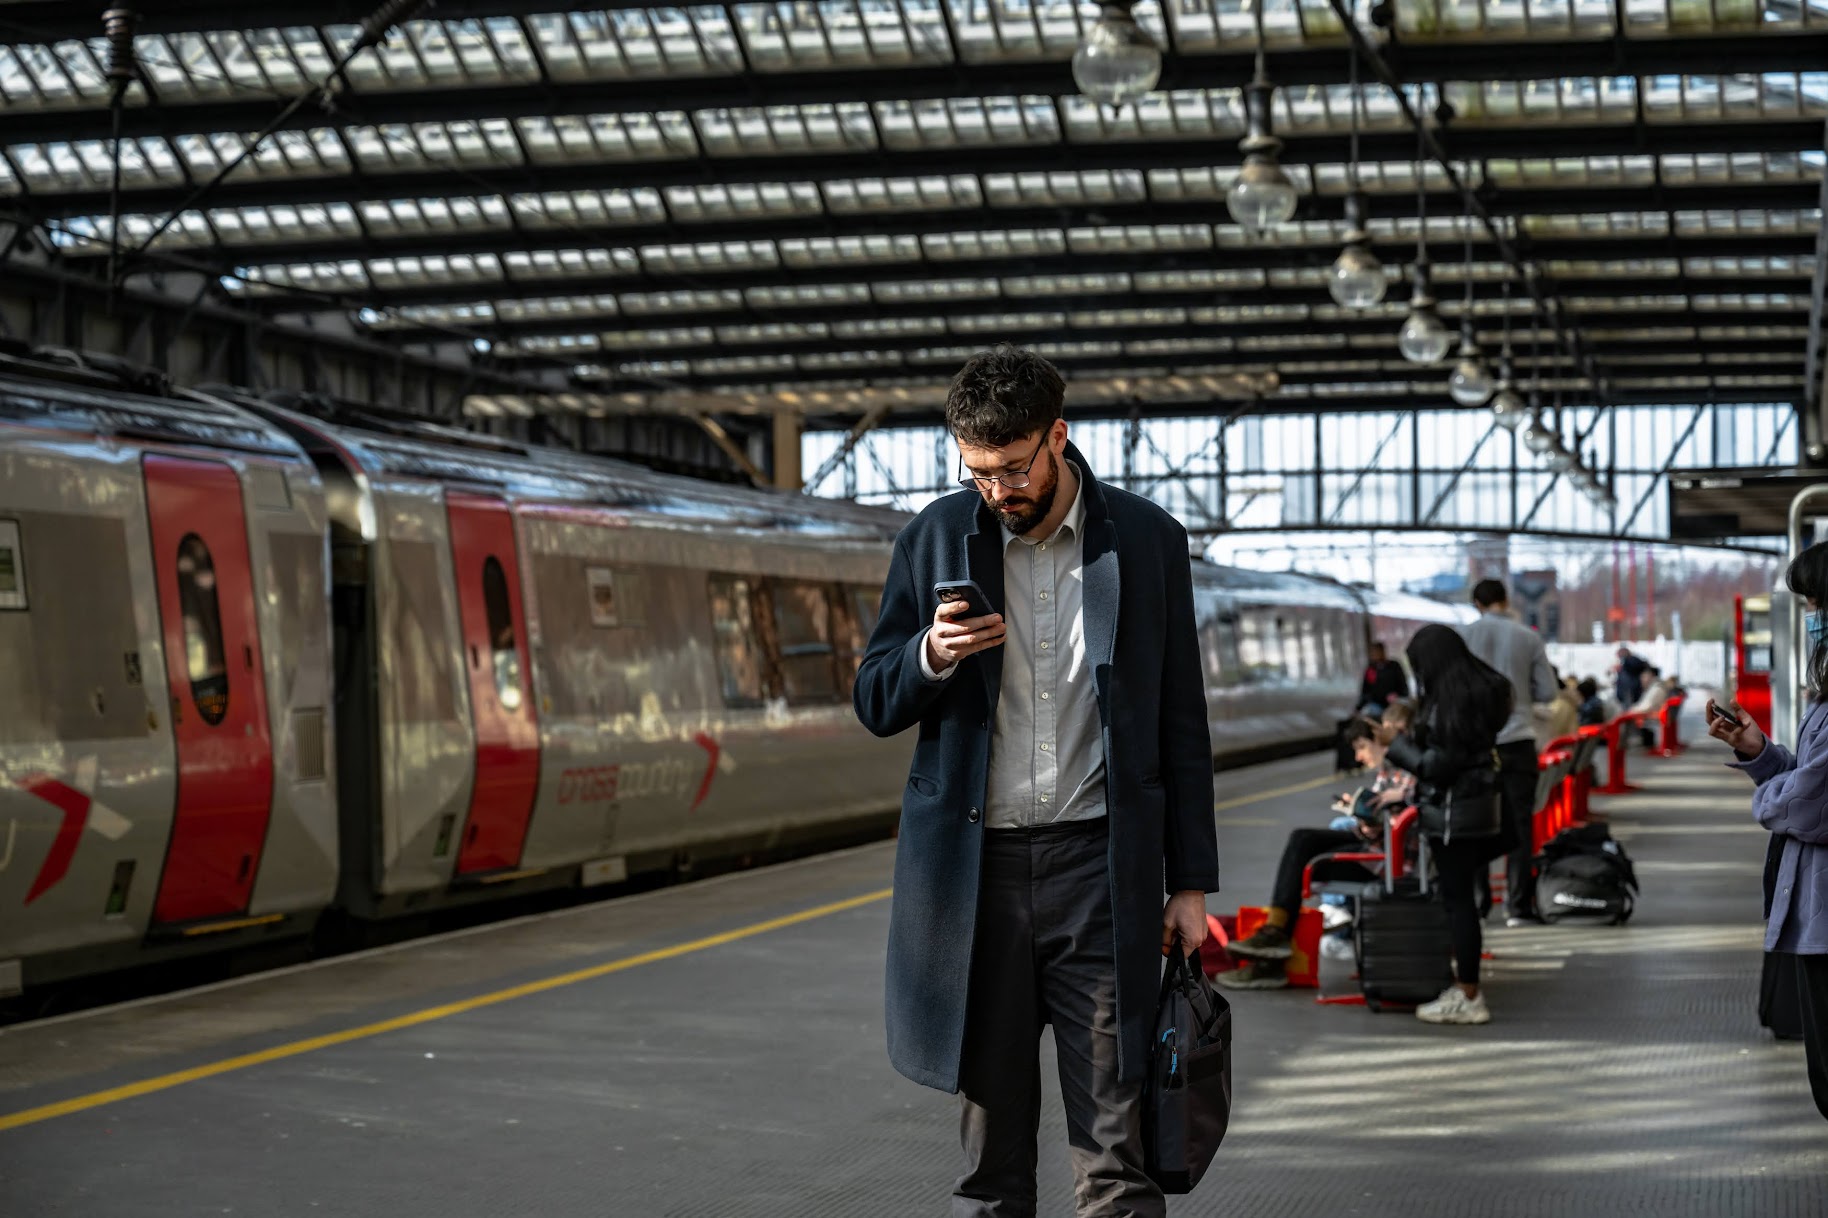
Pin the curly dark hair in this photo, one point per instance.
(1808, 576)
(1003, 395)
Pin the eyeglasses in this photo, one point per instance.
(1015, 482)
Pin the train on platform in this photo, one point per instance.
(270, 662)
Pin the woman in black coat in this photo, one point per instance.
(1452, 750)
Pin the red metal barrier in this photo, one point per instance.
(1615, 754)
(1669, 745)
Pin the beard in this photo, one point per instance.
(1020, 516)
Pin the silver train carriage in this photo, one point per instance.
(267, 662)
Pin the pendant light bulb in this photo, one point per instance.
(1470, 384)
(1537, 438)
(1508, 409)
(1558, 458)
(1118, 62)
(1357, 280)
(1262, 197)
(1423, 338)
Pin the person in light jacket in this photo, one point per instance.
(1791, 800)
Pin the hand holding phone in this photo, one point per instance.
(963, 624)
(1736, 728)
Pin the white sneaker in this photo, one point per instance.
(1453, 1006)
(1332, 917)
(1332, 947)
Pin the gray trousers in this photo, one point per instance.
(1043, 955)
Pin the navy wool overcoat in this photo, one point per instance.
(1144, 651)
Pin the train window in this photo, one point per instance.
(504, 655)
(203, 650)
(12, 567)
(853, 617)
(802, 618)
(73, 674)
(866, 603)
(739, 652)
(415, 602)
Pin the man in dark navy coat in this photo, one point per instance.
(1057, 828)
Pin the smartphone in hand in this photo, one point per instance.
(1717, 711)
(977, 604)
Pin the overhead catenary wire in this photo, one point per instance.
(374, 31)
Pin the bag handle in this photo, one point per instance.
(1186, 978)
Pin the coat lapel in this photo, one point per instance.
(1102, 588)
(1103, 582)
(984, 563)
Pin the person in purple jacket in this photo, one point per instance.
(1791, 800)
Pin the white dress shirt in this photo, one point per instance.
(1047, 744)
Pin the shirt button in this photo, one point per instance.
(1045, 696)
(1044, 596)
(1043, 644)
(1041, 798)
(972, 816)
(1047, 748)
(1044, 545)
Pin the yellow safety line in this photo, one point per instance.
(1262, 795)
(30, 1116)
(216, 928)
(114, 1095)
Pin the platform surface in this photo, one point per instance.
(682, 1053)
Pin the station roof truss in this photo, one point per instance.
(823, 207)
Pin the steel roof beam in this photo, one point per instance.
(1606, 351)
(1721, 245)
(1485, 57)
(1291, 401)
(1471, 142)
(1394, 370)
(583, 322)
(506, 239)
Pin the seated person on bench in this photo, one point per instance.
(1267, 951)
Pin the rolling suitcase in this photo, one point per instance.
(1403, 948)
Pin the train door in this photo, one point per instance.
(501, 694)
(218, 688)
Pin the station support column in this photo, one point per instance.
(786, 469)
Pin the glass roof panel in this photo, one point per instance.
(773, 332)
(857, 196)
(967, 122)
(797, 37)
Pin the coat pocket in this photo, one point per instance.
(924, 787)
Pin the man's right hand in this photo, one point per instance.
(952, 638)
(1741, 733)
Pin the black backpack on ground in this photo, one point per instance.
(1403, 947)
(1583, 873)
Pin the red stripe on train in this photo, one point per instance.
(75, 808)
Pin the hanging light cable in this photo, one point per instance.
(1507, 408)
(1537, 438)
(1423, 339)
(1262, 197)
(1470, 383)
(1358, 280)
(1118, 62)
(1558, 458)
